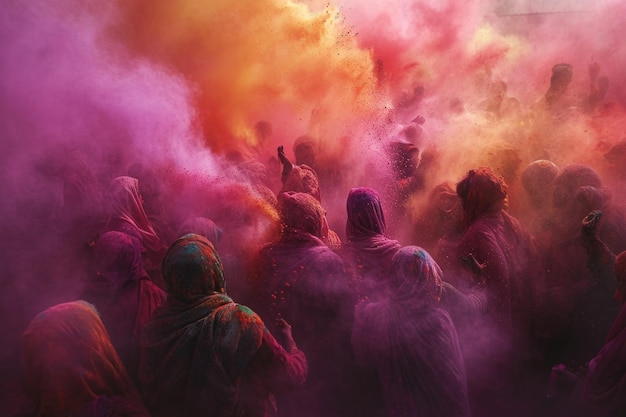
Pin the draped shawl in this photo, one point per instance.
(368, 252)
(411, 344)
(71, 365)
(123, 293)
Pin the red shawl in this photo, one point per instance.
(71, 364)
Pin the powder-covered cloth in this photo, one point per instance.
(123, 293)
(126, 214)
(71, 366)
(368, 251)
(604, 392)
(411, 344)
(604, 388)
(301, 280)
(203, 354)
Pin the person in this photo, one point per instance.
(368, 251)
(604, 389)
(72, 369)
(597, 388)
(537, 180)
(304, 179)
(123, 293)
(127, 215)
(299, 279)
(202, 226)
(203, 354)
(570, 288)
(411, 343)
(498, 254)
(439, 224)
(497, 246)
(157, 200)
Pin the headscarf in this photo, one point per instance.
(481, 191)
(368, 252)
(203, 227)
(539, 173)
(302, 217)
(123, 293)
(192, 269)
(570, 179)
(117, 260)
(365, 214)
(70, 361)
(411, 344)
(126, 204)
(302, 179)
(199, 344)
(415, 276)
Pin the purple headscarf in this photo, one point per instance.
(368, 252)
(365, 214)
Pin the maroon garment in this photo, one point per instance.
(368, 251)
(304, 179)
(500, 255)
(204, 355)
(127, 215)
(497, 247)
(412, 344)
(301, 280)
(72, 369)
(604, 388)
(123, 294)
(604, 392)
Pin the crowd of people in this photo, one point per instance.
(485, 307)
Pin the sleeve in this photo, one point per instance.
(282, 369)
(482, 244)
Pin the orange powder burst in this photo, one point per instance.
(268, 60)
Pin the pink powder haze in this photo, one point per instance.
(180, 87)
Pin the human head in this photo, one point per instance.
(305, 151)
(302, 179)
(481, 191)
(70, 361)
(203, 227)
(561, 78)
(415, 276)
(365, 214)
(616, 156)
(405, 157)
(537, 179)
(570, 179)
(302, 212)
(192, 269)
(125, 198)
(117, 260)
